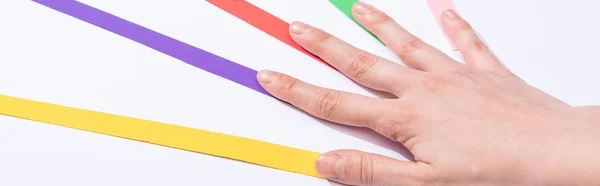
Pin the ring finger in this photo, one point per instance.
(414, 52)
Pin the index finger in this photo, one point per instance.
(332, 105)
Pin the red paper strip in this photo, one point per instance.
(262, 20)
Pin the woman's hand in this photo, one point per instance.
(465, 124)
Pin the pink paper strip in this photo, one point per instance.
(437, 8)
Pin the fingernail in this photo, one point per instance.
(362, 8)
(326, 165)
(299, 28)
(265, 76)
(451, 14)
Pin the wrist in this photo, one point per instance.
(573, 159)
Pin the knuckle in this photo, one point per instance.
(378, 20)
(478, 46)
(361, 64)
(379, 17)
(289, 84)
(319, 42)
(410, 45)
(463, 26)
(365, 167)
(358, 168)
(327, 103)
(436, 83)
(465, 31)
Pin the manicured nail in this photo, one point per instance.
(362, 8)
(299, 28)
(451, 14)
(326, 165)
(266, 76)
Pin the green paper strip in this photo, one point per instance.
(346, 7)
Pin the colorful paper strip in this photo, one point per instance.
(345, 6)
(262, 20)
(195, 140)
(437, 8)
(247, 150)
(187, 53)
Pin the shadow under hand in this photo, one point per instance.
(335, 183)
(371, 137)
(379, 94)
(364, 134)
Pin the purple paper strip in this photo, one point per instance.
(162, 43)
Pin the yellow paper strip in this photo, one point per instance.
(195, 140)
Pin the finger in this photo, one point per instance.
(363, 67)
(412, 51)
(361, 168)
(335, 106)
(473, 49)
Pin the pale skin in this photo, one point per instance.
(472, 123)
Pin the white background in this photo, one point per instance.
(48, 56)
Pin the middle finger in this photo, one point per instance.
(365, 68)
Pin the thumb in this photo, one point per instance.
(366, 169)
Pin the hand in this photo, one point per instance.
(466, 124)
